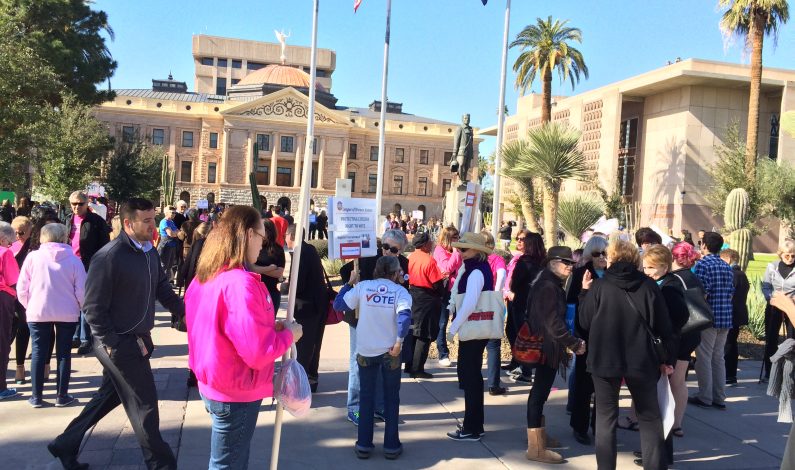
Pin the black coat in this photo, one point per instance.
(94, 234)
(523, 274)
(546, 315)
(311, 298)
(573, 295)
(688, 342)
(674, 294)
(739, 305)
(619, 344)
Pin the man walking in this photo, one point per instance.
(718, 280)
(167, 245)
(88, 233)
(123, 274)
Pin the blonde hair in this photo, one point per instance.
(489, 238)
(227, 244)
(732, 255)
(620, 250)
(115, 225)
(21, 222)
(201, 231)
(658, 255)
(787, 247)
(446, 237)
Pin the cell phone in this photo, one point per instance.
(142, 346)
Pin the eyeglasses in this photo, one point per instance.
(454, 237)
(393, 249)
(261, 235)
(77, 204)
(598, 254)
(520, 239)
(463, 250)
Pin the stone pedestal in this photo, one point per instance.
(456, 208)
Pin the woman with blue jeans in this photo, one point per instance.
(384, 319)
(51, 287)
(233, 337)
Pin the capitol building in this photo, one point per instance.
(248, 114)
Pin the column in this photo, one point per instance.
(274, 160)
(409, 188)
(225, 156)
(249, 156)
(297, 171)
(321, 157)
(344, 165)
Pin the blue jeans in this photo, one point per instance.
(82, 330)
(233, 426)
(493, 361)
(441, 339)
(368, 373)
(353, 381)
(40, 337)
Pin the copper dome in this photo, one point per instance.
(275, 74)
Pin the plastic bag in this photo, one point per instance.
(291, 388)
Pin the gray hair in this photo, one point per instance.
(181, 203)
(594, 244)
(7, 233)
(54, 233)
(79, 195)
(396, 237)
(386, 267)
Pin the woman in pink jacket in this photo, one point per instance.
(51, 287)
(233, 339)
(449, 260)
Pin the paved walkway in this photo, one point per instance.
(744, 437)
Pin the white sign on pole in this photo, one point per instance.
(416, 215)
(352, 231)
(202, 204)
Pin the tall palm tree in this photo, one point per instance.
(752, 20)
(545, 46)
(551, 154)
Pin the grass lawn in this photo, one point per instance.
(756, 268)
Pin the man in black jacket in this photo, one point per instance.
(88, 233)
(123, 274)
(311, 305)
(739, 313)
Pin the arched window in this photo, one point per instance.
(185, 196)
(397, 208)
(210, 198)
(421, 208)
(284, 203)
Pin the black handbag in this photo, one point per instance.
(656, 342)
(700, 316)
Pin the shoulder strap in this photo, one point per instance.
(642, 320)
(683, 281)
(328, 282)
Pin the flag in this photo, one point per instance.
(356, 5)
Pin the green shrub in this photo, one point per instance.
(756, 309)
(332, 266)
(321, 246)
(506, 255)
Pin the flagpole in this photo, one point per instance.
(301, 220)
(495, 213)
(379, 186)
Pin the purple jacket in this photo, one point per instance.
(52, 284)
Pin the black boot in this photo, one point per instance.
(69, 462)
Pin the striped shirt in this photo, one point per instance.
(717, 277)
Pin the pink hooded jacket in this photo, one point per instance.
(51, 284)
(232, 339)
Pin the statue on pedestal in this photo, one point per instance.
(463, 150)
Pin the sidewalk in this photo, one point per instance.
(744, 437)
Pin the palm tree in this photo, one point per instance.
(752, 20)
(551, 154)
(546, 46)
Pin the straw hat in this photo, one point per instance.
(472, 241)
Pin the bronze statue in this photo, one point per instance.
(463, 149)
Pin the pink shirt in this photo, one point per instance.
(509, 274)
(448, 263)
(232, 339)
(74, 234)
(496, 263)
(16, 247)
(52, 284)
(9, 271)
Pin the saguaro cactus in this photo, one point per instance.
(736, 217)
(168, 181)
(255, 199)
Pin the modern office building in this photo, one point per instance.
(653, 136)
(215, 137)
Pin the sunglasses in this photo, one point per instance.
(463, 250)
(20, 234)
(393, 249)
(598, 254)
(520, 239)
(77, 204)
(565, 262)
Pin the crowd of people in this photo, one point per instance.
(609, 314)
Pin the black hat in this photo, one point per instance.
(420, 239)
(560, 252)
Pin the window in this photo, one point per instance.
(211, 172)
(263, 142)
(321, 73)
(397, 184)
(423, 157)
(446, 185)
(400, 154)
(284, 176)
(127, 134)
(236, 64)
(187, 138)
(207, 61)
(213, 140)
(313, 180)
(373, 153)
(352, 148)
(352, 177)
(774, 125)
(158, 136)
(448, 158)
(254, 65)
(422, 186)
(222, 62)
(262, 173)
(186, 171)
(627, 150)
(372, 183)
(287, 143)
(235, 81)
(220, 86)
(314, 146)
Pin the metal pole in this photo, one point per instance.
(302, 222)
(495, 214)
(379, 186)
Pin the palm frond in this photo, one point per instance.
(577, 213)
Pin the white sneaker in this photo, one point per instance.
(445, 362)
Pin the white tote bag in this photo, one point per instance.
(486, 321)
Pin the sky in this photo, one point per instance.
(445, 55)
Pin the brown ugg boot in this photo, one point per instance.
(536, 447)
(551, 442)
